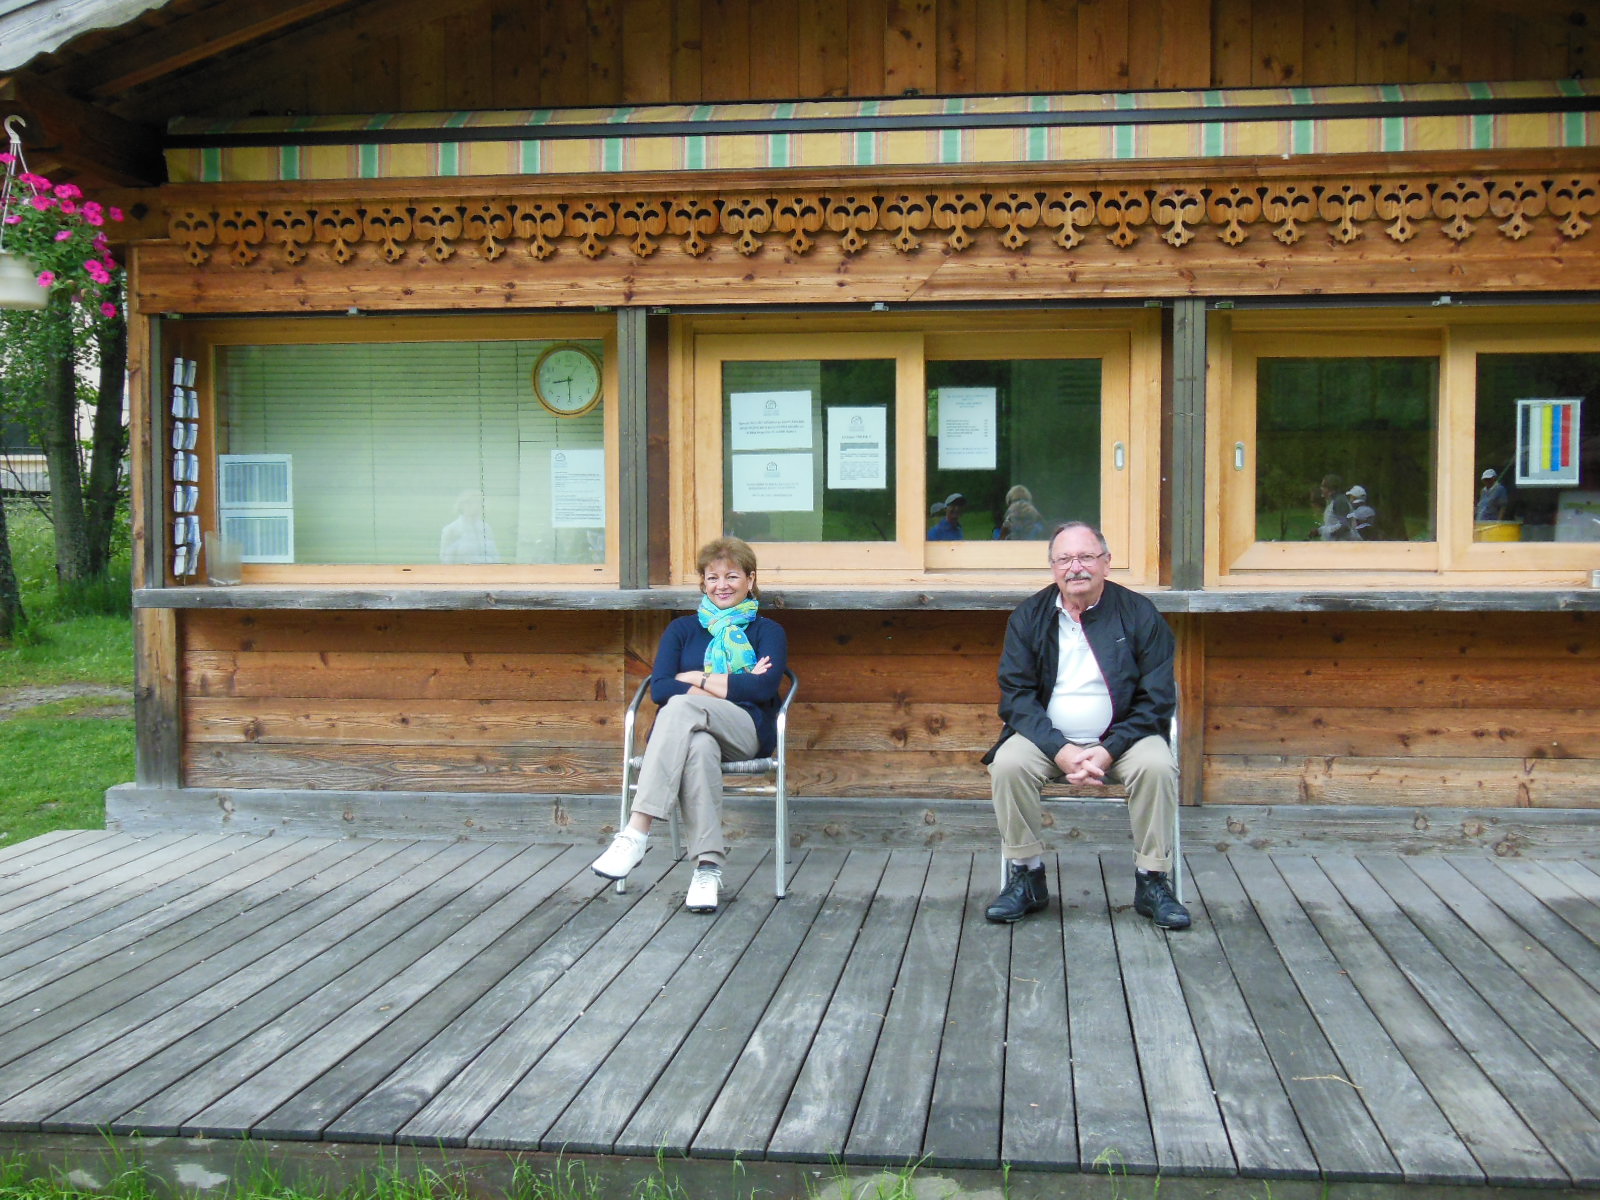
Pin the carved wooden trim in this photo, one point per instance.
(394, 229)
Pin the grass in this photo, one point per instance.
(55, 762)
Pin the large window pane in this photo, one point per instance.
(1018, 441)
(1537, 451)
(808, 450)
(410, 453)
(1345, 449)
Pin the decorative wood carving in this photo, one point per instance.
(1347, 210)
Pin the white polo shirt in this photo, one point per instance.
(1080, 704)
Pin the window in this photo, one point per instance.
(435, 447)
(935, 445)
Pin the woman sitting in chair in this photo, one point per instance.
(716, 679)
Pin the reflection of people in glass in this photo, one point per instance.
(1335, 510)
(468, 538)
(948, 527)
(716, 679)
(1493, 499)
(1362, 516)
(1022, 522)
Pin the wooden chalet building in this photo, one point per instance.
(462, 323)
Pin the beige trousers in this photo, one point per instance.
(692, 737)
(1147, 769)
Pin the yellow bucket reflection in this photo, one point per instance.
(1497, 531)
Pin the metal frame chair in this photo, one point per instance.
(1176, 874)
(745, 770)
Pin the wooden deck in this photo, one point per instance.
(1337, 1017)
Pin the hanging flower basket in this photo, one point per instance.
(55, 235)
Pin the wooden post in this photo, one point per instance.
(634, 519)
(1186, 516)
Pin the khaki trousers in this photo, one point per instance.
(1147, 769)
(692, 737)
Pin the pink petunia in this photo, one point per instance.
(68, 207)
(42, 203)
(68, 191)
(115, 213)
(108, 309)
(13, 218)
(38, 182)
(8, 159)
(101, 243)
(47, 279)
(93, 213)
(96, 272)
(63, 235)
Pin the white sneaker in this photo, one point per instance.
(703, 888)
(622, 856)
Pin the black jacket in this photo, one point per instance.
(1134, 647)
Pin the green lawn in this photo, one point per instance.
(63, 738)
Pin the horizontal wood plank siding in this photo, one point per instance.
(1493, 709)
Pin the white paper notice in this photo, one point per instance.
(577, 489)
(772, 483)
(858, 448)
(966, 429)
(769, 421)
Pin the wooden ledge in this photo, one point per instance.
(837, 599)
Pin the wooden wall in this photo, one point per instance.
(399, 55)
(1474, 709)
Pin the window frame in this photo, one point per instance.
(201, 339)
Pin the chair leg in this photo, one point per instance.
(1177, 853)
(780, 847)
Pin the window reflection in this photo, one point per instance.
(1537, 452)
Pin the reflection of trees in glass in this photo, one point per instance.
(1047, 413)
(1368, 420)
(1503, 379)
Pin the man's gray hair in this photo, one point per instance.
(1050, 546)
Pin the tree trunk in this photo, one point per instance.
(109, 446)
(11, 613)
(58, 435)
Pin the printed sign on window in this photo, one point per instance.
(1547, 442)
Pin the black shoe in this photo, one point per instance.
(1153, 898)
(1025, 892)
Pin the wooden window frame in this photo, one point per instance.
(1127, 340)
(200, 339)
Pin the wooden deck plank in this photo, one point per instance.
(40, 888)
(1548, 1005)
(402, 1016)
(527, 1111)
(741, 1120)
(891, 1118)
(671, 1114)
(1040, 1117)
(126, 935)
(1508, 1151)
(578, 916)
(45, 847)
(1345, 1138)
(1562, 920)
(615, 1087)
(607, 946)
(1113, 1121)
(969, 1083)
(1413, 1127)
(1545, 1102)
(815, 1123)
(195, 1042)
(1262, 1126)
(1184, 1118)
(244, 1081)
(103, 1009)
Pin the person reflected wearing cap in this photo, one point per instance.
(1362, 516)
(1493, 499)
(948, 527)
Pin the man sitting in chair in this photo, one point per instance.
(1087, 694)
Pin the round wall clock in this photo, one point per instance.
(567, 380)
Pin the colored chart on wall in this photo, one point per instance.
(1547, 442)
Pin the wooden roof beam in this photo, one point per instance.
(167, 49)
(87, 140)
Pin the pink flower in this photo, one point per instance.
(108, 309)
(37, 182)
(93, 213)
(97, 272)
(13, 218)
(8, 159)
(68, 191)
(47, 278)
(42, 203)
(115, 212)
(69, 207)
(63, 235)
(100, 243)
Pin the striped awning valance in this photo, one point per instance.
(905, 132)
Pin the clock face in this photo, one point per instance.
(567, 380)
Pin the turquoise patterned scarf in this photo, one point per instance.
(730, 652)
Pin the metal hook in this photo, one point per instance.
(12, 135)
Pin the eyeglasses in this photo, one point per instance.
(1077, 560)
